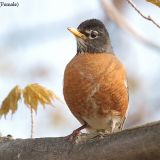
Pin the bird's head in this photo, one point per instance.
(92, 37)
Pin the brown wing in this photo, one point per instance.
(92, 80)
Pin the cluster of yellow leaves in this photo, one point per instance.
(33, 94)
(156, 2)
(11, 101)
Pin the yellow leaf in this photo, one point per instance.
(35, 93)
(156, 2)
(10, 103)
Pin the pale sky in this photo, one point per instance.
(28, 40)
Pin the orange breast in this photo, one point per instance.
(95, 83)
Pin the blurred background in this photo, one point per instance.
(35, 47)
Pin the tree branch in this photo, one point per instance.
(139, 12)
(138, 143)
(117, 17)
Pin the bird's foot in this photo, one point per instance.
(75, 133)
(83, 137)
(72, 136)
(100, 134)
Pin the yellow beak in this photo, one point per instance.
(76, 33)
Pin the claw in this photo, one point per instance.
(75, 133)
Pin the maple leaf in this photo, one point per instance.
(10, 103)
(155, 2)
(35, 93)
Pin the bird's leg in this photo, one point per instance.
(76, 132)
(122, 123)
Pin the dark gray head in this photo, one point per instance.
(92, 37)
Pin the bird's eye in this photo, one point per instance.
(93, 34)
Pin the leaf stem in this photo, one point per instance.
(32, 123)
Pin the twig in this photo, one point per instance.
(139, 12)
(32, 123)
(117, 17)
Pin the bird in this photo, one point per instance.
(95, 81)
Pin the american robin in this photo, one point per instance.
(95, 86)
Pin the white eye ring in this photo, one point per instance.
(93, 34)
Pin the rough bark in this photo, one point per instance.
(141, 143)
